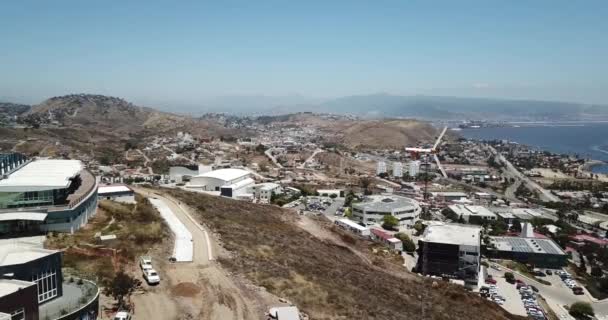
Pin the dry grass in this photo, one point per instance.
(326, 280)
(138, 227)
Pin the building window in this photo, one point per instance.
(18, 314)
(46, 283)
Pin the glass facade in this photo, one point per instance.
(26, 199)
(47, 285)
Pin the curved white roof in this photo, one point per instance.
(42, 175)
(225, 174)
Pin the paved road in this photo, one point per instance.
(303, 165)
(511, 171)
(214, 283)
(268, 153)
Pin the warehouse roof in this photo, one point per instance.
(467, 210)
(225, 174)
(527, 245)
(452, 234)
(113, 189)
(42, 175)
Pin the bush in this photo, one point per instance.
(510, 277)
(389, 222)
(581, 310)
(408, 244)
(596, 271)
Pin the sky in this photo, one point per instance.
(186, 52)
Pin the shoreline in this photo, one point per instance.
(588, 165)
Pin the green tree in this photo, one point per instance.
(348, 213)
(389, 222)
(408, 243)
(509, 276)
(121, 287)
(581, 310)
(419, 227)
(348, 199)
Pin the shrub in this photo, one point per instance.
(581, 310)
(509, 276)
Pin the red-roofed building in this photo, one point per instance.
(585, 238)
(387, 239)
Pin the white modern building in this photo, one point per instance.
(451, 250)
(380, 167)
(264, 191)
(397, 169)
(414, 168)
(47, 195)
(372, 209)
(230, 183)
(119, 193)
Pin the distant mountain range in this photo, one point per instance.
(422, 107)
(388, 106)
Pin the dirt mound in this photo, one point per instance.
(185, 289)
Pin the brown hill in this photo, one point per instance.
(325, 279)
(388, 133)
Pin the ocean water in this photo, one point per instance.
(588, 140)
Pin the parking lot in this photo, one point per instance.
(513, 302)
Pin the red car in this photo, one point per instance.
(491, 281)
(519, 281)
(577, 290)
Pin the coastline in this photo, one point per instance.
(588, 165)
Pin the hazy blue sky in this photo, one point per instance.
(186, 51)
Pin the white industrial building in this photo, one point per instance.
(414, 168)
(230, 183)
(397, 169)
(373, 209)
(380, 168)
(119, 193)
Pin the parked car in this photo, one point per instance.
(548, 272)
(122, 315)
(578, 290)
(151, 276)
(145, 263)
(539, 274)
(535, 289)
(491, 281)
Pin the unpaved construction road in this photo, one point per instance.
(200, 289)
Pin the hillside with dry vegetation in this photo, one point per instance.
(325, 279)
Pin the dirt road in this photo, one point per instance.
(200, 289)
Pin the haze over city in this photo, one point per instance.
(187, 53)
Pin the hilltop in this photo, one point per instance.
(354, 132)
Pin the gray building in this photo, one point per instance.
(373, 209)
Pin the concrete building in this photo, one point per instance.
(414, 168)
(448, 196)
(380, 168)
(46, 195)
(119, 193)
(451, 250)
(264, 191)
(230, 183)
(397, 170)
(373, 209)
(472, 214)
